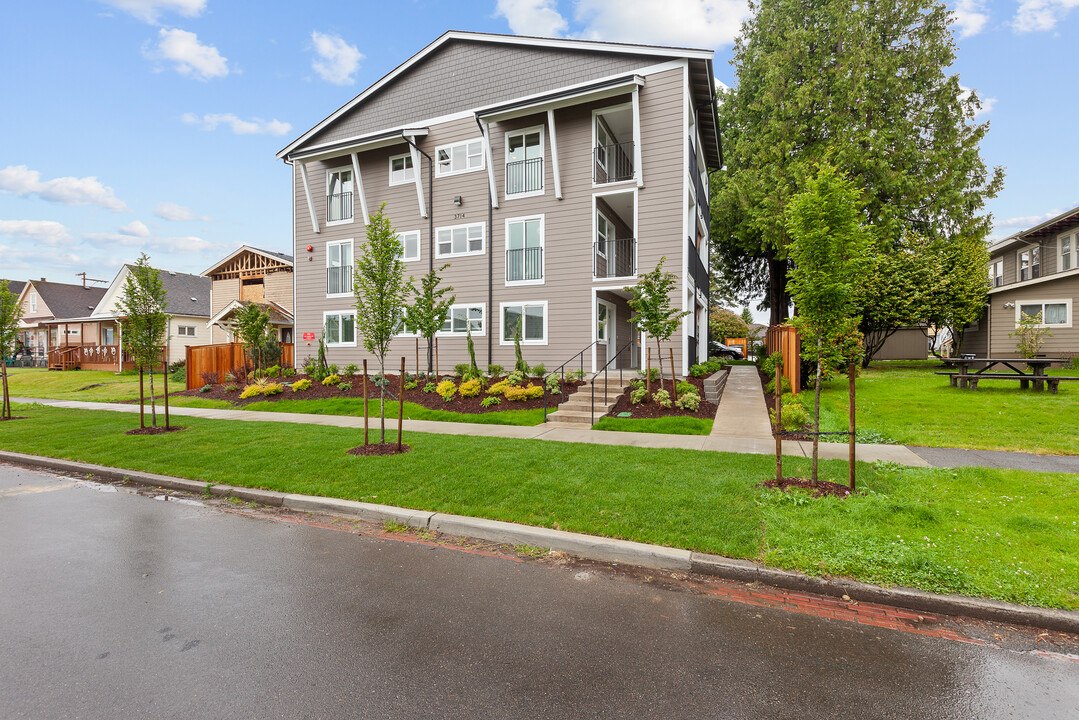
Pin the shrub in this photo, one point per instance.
(412, 384)
(230, 378)
(250, 391)
(499, 387)
(495, 370)
(538, 371)
(470, 388)
(554, 386)
(662, 398)
(231, 387)
(653, 374)
(707, 368)
(577, 374)
(638, 395)
(210, 378)
(447, 389)
(345, 386)
(686, 386)
(351, 369)
(513, 392)
(770, 388)
(301, 385)
(206, 388)
(515, 378)
(1073, 364)
(489, 401)
(534, 391)
(273, 389)
(272, 371)
(429, 387)
(331, 379)
(795, 417)
(332, 370)
(690, 401)
(288, 372)
(179, 375)
(460, 369)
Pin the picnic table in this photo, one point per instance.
(965, 378)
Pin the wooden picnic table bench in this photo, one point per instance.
(964, 378)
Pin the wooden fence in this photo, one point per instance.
(216, 360)
(784, 339)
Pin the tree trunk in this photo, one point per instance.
(659, 351)
(382, 394)
(153, 402)
(816, 413)
(5, 411)
(142, 400)
(778, 299)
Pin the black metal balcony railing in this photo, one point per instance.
(697, 269)
(339, 280)
(612, 163)
(524, 264)
(699, 190)
(614, 258)
(523, 176)
(339, 207)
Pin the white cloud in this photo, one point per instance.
(168, 244)
(689, 23)
(986, 104)
(337, 60)
(970, 17)
(36, 259)
(254, 126)
(1027, 221)
(532, 17)
(191, 57)
(1034, 15)
(47, 232)
(135, 228)
(21, 180)
(176, 213)
(150, 10)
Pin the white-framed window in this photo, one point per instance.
(401, 170)
(339, 268)
(603, 318)
(33, 302)
(410, 241)
(604, 233)
(460, 157)
(524, 250)
(1067, 252)
(339, 328)
(1054, 313)
(524, 162)
(530, 317)
(459, 318)
(1028, 264)
(996, 273)
(460, 240)
(183, 331)
(339, 195)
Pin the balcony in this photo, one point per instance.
(697, 269)
(339, 207)
(612, 163)
(699, 190)
(614, 258)
(524, 265)
(339, 280)
(524, 176)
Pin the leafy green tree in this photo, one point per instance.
(10, 314)
(829, 246)
(145, 325)
(867, 88)
(959, 296)
(895, 288)
(381, 293)
(747, 317)
(654, 314)
(723, 323)
(428, 310)
(253, 329)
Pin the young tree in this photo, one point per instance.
(747, 317)
(253, 329)
(428, 310)
(1030, 334)
(10, 314)
(145, 325)
(381, 294)
(828, 250)
(655, 316)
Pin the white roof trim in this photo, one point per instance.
(554, 99)
(236, 305)
(368, 141)
(1036, 281)
(239, 250)
(501, 39)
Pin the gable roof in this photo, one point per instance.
(188, 295)
(65, 300)
(280, 256)
(14, 286)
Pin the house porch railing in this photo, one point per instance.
(614, 258)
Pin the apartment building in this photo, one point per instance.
(547, 174)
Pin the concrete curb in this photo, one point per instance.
(591, 547)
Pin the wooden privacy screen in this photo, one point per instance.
(784, 339)
(220, 359)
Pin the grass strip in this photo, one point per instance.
(668, 425)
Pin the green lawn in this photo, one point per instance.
(413, 411)
(88, 385)
(905, 403)
(1004, 534)
(668, 425)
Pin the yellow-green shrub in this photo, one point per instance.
(470, 388)
(273, 389)
(446, 389)
(299, 385)
(251, 391)
(331, 379)
(512, 392)
(498, 388)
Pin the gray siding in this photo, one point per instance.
(1065, 341)
(905, 344)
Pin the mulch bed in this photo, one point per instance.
(416, 395)
(649, 409)
(379, 449)
(159, 430)
(823, 488)
(770, 403)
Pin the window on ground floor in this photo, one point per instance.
(340, 328)
(1052, 313)
(461, 318)
(529, 319)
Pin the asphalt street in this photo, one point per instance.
(114, 605)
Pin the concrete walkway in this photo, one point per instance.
(742, 412)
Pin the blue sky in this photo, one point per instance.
(151, 125)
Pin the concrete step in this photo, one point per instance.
(577, 417)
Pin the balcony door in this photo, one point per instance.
(339, 268)
(524, 162)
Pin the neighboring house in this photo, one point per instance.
(251, 275)
(908, 343)
(43, 302)
(546, 173)
(1035, 271)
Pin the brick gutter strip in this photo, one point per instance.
(591, 547)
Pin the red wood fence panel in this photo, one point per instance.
(217, 360)
(784, 339)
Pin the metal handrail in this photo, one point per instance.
(337, 280)
(524, 176)
(561, 369)
(625, 258)
(338, 206)
(523, 264)
(604, 370)
(617, 163)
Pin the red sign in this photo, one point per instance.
(309, 336)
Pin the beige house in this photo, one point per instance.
(43, 302)
(249, 275)
(545, 173)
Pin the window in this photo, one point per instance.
(530, 318)
(460, 157)
(1067, 252)
(183, 331)
(33, 302)
(996, 273)
(108, 336)
(1054, 313)
(401, 170)
(460, 240)
(339, 195)
(1029, 265)
(339, 268)
(339, 328)
(524, 250)
(602, 317)
(524, 162)
(410, 241)
(604, 234)
(460, 318)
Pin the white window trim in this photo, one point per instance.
(329, 172)
(1072, 238)
(1064, 301)
(326, 314)
(546, 322)
(636, 227)
(607, 324)
(457, 306)
(451, 254)
(993, 272)
(419, 249)
(595, 119)
(352, 252)
(389, 165)
(181, 328)
(440, 173)
(543, 156)
(610, 228)
(543, 244)
(1029, 251)
(33, 302)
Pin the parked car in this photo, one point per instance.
(718, 349)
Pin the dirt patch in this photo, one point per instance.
(379, 449)
(16, 417)
(649, 409)
(159, 430)
(822, 489)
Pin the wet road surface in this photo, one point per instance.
(113, 605)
